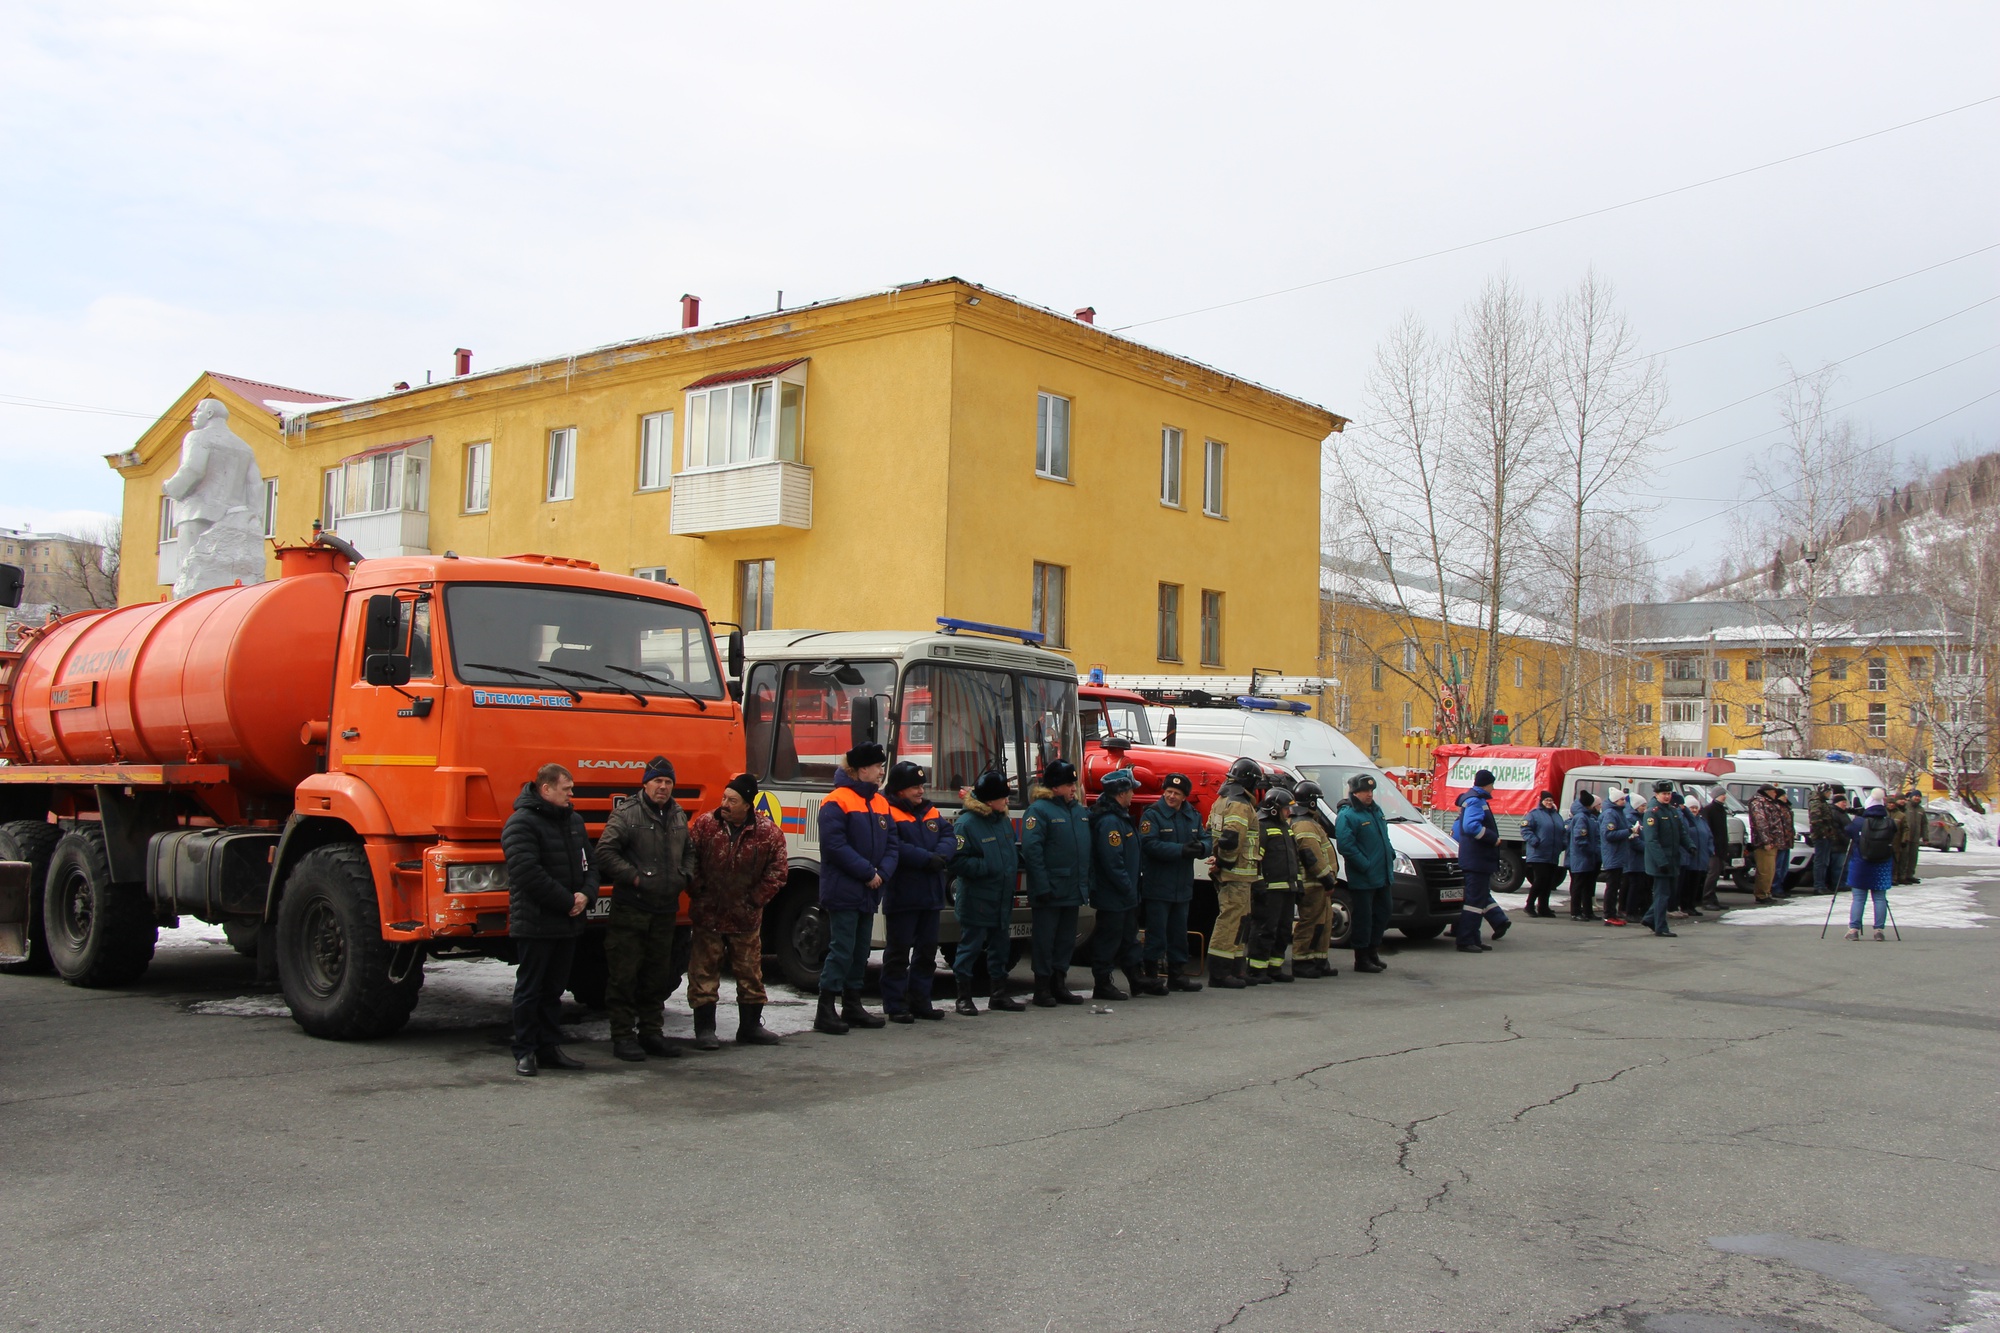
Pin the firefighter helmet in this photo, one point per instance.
(1247, 772)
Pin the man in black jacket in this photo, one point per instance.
(647, 856)
(551, 883)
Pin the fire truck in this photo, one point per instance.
(959, 700)
(321, 764)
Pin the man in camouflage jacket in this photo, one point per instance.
(739, 867)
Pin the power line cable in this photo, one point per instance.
(1564, 221)
(50, 405)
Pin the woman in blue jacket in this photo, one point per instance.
(1622, 854)
(1543, 838)
(1694, 857)
(858, 850)
(1586, 832)
(1869, 876)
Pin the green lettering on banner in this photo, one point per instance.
(1508, 774)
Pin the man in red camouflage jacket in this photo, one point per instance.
(739, 868)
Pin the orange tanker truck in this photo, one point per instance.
(321, 764)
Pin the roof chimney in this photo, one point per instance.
(462, 360)
(690, 311)
(1087, 315)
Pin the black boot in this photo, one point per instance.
(1375, 957)
(1004, 1002)
(555, 1057)
(828, 1018)
(1178, 979)
(1276, 971)
(704, 1028)
(1107, 989)
(1059, 987)
(1222, 973)
(857, 1015)
(652, 1043)
(627, 1048)
(966, 1006)
(750, 1029)
(1145, 981)
(1045, 995)
(921, 1007)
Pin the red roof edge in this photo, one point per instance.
(754, 373)
(258, 390)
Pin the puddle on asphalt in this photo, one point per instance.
(1911, 1293)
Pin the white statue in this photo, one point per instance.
(218, 496)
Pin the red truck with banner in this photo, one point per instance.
(1521, 773)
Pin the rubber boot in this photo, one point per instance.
(1222, 973)
(1107, 989)
(828, 1018)
(1177, 979)
(704, 1028)
(1059, 987)
(1003, 1001)
(1045, 995)
(750, 1029)
(857, 1014)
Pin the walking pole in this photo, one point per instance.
(1892, 920)
(1829, 913)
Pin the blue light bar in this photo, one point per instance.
(1097, 675)
(953, 625)
(1256, 704)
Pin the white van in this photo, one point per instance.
(1428, 889)
(1798, 778)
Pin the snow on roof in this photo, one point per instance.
(1419, 598)
(1853, 619)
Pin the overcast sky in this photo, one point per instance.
(334, 203)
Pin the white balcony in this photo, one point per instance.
(170, 562)
(1684, 731)
(396, 532)
(770, 494)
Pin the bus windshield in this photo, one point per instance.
(521, 634)
(961, 722)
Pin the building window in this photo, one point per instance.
(750, 421)
(1878, 675)
(1836, 714)
(1211, 478)
(651, 573)
(1170, 466)
(562, 464)
(478, 477)
(1409, 654)
(1718, 715)
(1211, 628)
(1375, 740)
(1920, 668)
(383, 483)
(1645, 673)
(1719, 669)
(1878, 720)
(1049, 606)
(1052, 437)
(1343, 713)
(329, 498)
(1754, 669)
(1541, 673)
(1683, 710)
(270, 506)
(1753, 715)
(656, 442)
(1375, 676)
(1645, 715)
(1409, 717)
(1520, 672)
(166, 521)
(1683, 668)
(1836, 668)
(1170, 622)
(1917, 716)
(756, 589)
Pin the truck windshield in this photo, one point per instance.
(532, 631)
(960, 722)
(1332, 779)
(1115, 717)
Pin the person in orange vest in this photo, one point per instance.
(858, 853)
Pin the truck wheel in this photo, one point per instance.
(100, 933)
(33, 842)
(1340, 931)
(801, 935)
(1422, 933)
(1509, 872)
(589, 971)
(333, 963)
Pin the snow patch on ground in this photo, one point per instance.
(1942, 905)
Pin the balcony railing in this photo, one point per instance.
(774, 493)
(1684, 689)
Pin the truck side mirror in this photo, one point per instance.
(735, 654)
(12, 583)
(380, 627)
(386, 668)
(1173, 730)
(862, 720)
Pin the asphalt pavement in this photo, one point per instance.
(1585, 1129)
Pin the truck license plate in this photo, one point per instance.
(1020, 931)
(1451, 895)
(599, 909)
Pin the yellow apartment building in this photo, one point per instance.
(1892, 679)
(937, 449)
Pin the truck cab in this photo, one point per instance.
(958, 700)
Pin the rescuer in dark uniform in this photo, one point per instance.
(1277, 888)
(1171, 840)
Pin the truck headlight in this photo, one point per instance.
(486, 877)
(1405, 866)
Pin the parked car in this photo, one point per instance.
(1942, 830)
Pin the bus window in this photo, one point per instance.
(1048, 715)
(957, 723)
(760, 717)
(815, 712)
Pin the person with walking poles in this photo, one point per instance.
(1056, 852)
(1873, 865)
(1771, 838)
(1826, 826)
(1171, 840)
(1663, 835)
(1319, 872)
(1543, 838)
(1621, 851)
(1232, 827)
(983, 875)
(740, 866)
(551, 883)
(1586, 837)
(858, 851)
(913, 898)
(1478, 836)
(1361, 832)
(645, 855)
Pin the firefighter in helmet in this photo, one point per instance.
(1276, 889)
(1232, 827)
(1319, 870)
